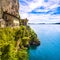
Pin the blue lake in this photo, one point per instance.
(49, 35)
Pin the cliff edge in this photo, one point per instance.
(10, 6)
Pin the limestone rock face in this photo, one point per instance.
(10, 6)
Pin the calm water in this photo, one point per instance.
(49, 35)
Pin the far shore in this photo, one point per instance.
(44, 23)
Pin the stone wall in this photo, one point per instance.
(11, 20)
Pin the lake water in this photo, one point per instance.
(49, 35)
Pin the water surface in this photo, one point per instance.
(49, 35)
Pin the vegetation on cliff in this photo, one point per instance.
(14, 42)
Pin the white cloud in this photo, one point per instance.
(34, 4)
(37, 3)
(43, 18)
(31, 5)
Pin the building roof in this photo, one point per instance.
(25, 19)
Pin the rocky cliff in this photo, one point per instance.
(10, 6)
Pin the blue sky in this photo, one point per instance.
(40, 10)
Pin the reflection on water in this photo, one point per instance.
(49, 35)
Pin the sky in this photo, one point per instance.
(40, 11)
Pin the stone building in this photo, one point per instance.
(2, 23)
(24, 22)
(11, 20)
